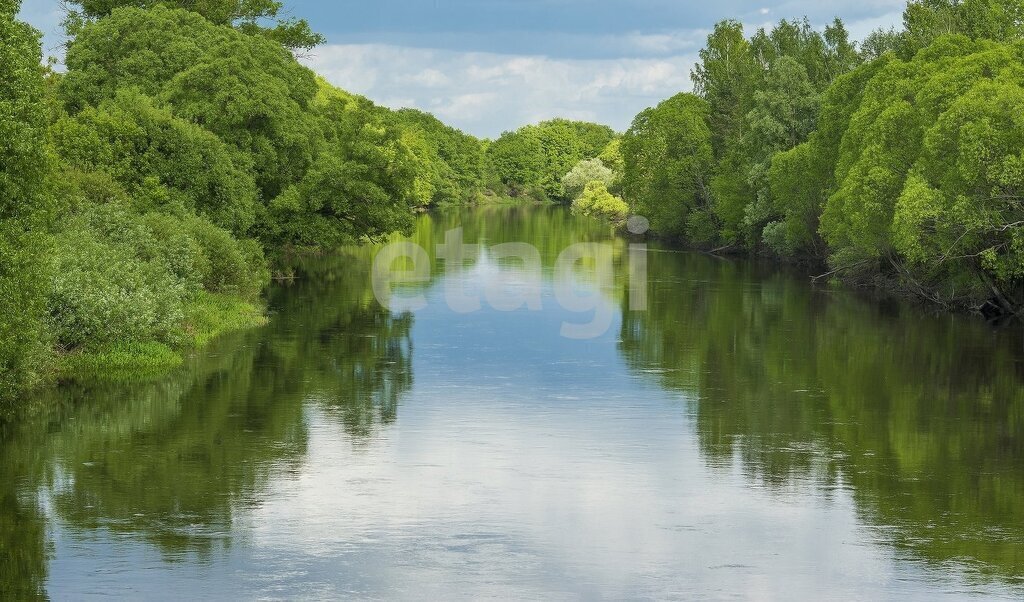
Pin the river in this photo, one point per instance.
(731, 432)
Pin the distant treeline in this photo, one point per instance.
(895, 162)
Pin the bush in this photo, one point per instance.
(121, 277)
(104, 292)
(230, 266)
(596, 201)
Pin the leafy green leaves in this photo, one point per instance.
(596, 201)
(533, 159)
(249, 16)
(668, 163)
(25, 204)
(162, 161)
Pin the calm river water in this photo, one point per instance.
(747, 436)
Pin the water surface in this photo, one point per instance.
(748, 436)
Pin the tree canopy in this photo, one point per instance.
(25, 204)
(668, 164)
(897, 161)
(534, 159)
(250, 16)
(184, 146)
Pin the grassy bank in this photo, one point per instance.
(206, 317)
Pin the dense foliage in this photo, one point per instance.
(450, 163)
(596, 201)
(143, 191)
(897, 162)
(585, 172)
(24, 203)
(532, 160)
(146, 192)
(250, 16)
(668, 164)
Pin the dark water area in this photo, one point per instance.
(733, 433)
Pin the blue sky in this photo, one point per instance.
(489, 66)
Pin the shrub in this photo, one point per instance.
(121, 277)
(596, 201)
(103, 291)
(231, 266)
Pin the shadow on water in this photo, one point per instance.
(171, 461)
(920, 417)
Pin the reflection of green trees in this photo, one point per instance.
(173, 461)
(922, 417)
(550, 229)
(354, 356)
(23, 547)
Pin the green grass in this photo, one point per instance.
(211, 315)
(206, 317)
(119, 361)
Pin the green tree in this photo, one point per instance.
(162, 161)
(516, 160)
(668, 162)
(361, 185)
(928, 178)
(250, 16)
(925, 21)
(879, 42)
(764, 95)
(723, 78)
(960, 212)
(611, 156)
(596, 201)
(784, 113)
(802, 179)
(534, 158)
(449, 162)
(585, 172)
(249, 91)
(24, 205)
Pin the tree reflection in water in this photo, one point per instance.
(919, 417)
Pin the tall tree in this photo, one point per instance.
(250, 16)
(669, 159)
(24, 204)
(925, 21)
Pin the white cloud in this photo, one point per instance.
(431, 78)
(487, 93)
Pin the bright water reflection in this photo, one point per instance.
(746, 437)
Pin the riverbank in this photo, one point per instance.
(208, 317)
(874, 286)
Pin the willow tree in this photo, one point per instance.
(929, 175)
